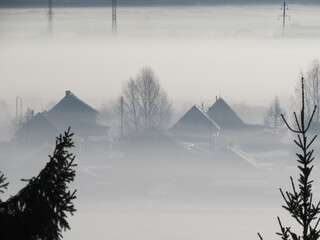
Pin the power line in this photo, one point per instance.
(50, 16)
(114, 16)
(284, 7)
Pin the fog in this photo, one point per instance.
(151, 187)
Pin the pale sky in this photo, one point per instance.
(198, 53)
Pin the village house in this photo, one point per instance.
(69, 112)
(218, 127)
(233, 129)
(197, 127)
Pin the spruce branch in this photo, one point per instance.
(39, 210)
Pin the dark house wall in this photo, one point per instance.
(73, 112)
(36, 132)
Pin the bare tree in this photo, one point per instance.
(312, 90)
(272, 118)
(148, 88)
(130, 93)
(146, 103)
(164, 109)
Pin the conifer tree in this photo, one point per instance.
(299, 202)
(3, 183)
(39, 210)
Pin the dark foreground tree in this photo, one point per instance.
(299, 202)
(39, 210)
(3, 183)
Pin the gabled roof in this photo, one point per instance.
(42, 120)
(72, 103)
(221, 113)
(195, 117)
(48, 116)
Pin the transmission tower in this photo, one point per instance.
(50, 16)
(284, 7)
(114, 16)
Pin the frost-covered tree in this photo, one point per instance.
(39, 210)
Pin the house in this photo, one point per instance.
(218, 127)
(69, 112)
(221, 113)
(197, 127)
(233, 128)
(82, 118)
(39, 130)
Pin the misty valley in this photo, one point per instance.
(184, 122)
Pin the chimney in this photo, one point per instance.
(68, 93)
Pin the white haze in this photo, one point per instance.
(197, 53)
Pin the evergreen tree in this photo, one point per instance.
(299, 203)
(3, 183)
(39, 210)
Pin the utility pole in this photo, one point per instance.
(21, 110)
(284, 7)
(50, 17)
(17, 104)
(121, 127)
(114, 16)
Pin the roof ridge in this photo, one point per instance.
(222, 103)
(71, 94)
(207, 116)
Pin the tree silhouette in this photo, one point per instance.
(145, 102)
(299, 202)
(272, 118)
(39, 210)
(3, 184)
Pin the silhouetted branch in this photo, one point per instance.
(3, 184)
(310, 120)
(39, 210)
(288, 126)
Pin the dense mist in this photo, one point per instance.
(213, 170)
